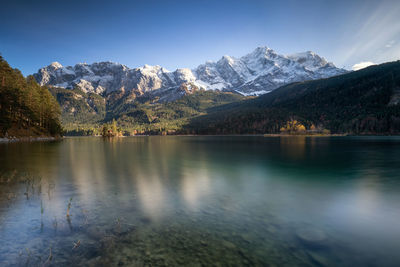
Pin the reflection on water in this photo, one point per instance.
(201, 201)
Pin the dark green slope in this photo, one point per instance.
(360, 102)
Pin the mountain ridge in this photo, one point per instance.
(256, 73)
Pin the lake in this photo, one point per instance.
(201, 201)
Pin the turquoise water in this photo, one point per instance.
(201, 201)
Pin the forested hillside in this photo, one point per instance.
(86, 113)
(26, 108)
(360, 102)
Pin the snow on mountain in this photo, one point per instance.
(258, 72)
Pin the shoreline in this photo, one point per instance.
(306, 135)
(234, 135)
(5, 140)
(29, 139)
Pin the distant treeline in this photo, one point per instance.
(26, 108)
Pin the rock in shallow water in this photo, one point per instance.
(311, 236)
(228, 244)
(95, 232)
(318, 258)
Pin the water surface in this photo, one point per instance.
(201, 201)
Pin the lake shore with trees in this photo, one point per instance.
(28, 111)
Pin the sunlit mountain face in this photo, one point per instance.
(256, 73)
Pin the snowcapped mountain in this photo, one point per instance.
(259, 72)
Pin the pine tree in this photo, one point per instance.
(114, 128)
(25, 105)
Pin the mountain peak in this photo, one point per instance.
(260, 52)
(55, 65)
(310, 60)
(309, 54)
(263, 49)
(227, 59)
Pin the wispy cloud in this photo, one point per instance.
(377, 37)
(390, 44)
(362, 65)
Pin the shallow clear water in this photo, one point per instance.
(283, 201)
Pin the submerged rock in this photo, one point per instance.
(95, 232)
(228, 244)
(318, 258)
(145, 220)
(311, 236)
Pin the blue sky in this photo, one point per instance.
(187, 33)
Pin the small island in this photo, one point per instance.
(111, 130)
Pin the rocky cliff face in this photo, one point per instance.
(256, 73)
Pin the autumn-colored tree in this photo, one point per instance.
(293, 126)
